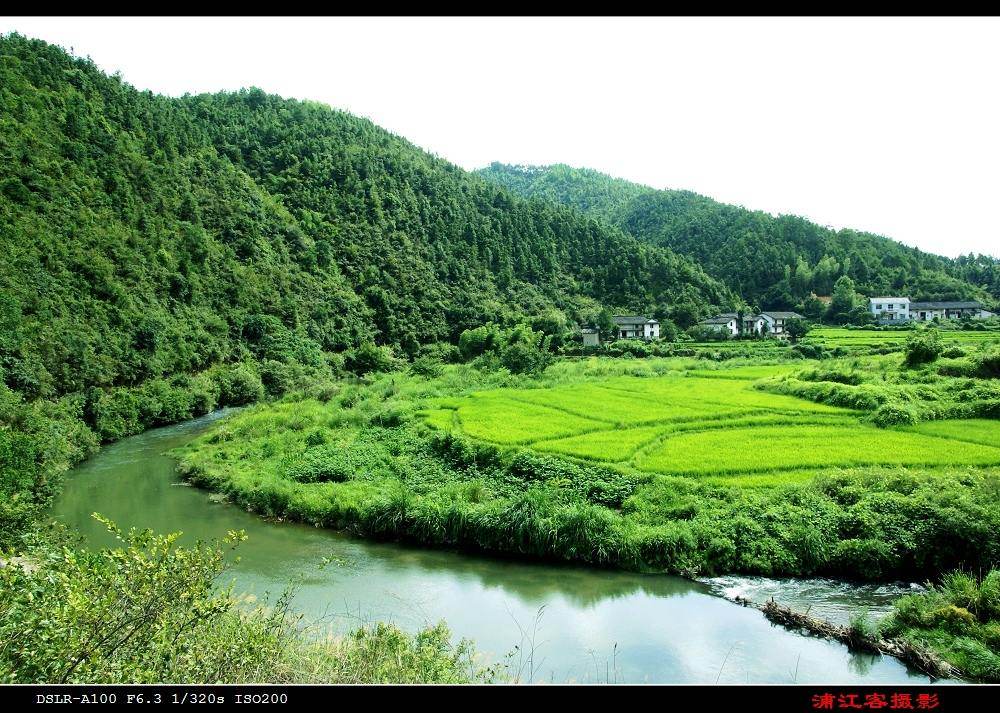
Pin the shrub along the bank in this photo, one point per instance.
(38, 442)
(41, 439)
(149, 611)
(923, 347)
(980, 365)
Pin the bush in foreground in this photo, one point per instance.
(893, 414)
(923, 347)
(148, 611)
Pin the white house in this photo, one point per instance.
(636, 326)
(889, 309)
(776, 320)
(753, 324)
(727, 322)
(591, 337)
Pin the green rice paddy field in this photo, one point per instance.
(707, 424)
(841, 337)
(668, 464)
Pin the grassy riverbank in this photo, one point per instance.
(677, 465)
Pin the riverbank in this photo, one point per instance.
(945, 630)
(525, 470)
(587, 625)
(386, 415)
(857, 637)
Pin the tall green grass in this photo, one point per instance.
(957, 618)
(501, 419)
(707, 426)
(868, 338)
(973, 430)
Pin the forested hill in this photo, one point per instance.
(145, 236)
(773, 261)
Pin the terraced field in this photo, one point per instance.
(706, 424)
(973, 430)
(662, 464)
(864, 338)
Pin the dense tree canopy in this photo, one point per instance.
(146, 236)
(776, 262)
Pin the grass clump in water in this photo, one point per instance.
(959, 619)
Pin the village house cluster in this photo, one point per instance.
(637, 326)
(627, 326)
(900, 309)
(770, 323)
(885, 310)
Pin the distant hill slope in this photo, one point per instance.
(145, 236)
(775, 261)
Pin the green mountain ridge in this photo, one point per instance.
(774, 261)
(147, 236)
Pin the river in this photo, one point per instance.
(570, 624)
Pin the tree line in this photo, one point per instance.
(775, 262)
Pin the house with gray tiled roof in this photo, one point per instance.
(776, 320)
(636, 326)
(926, 311)
(725, 322)
(770, 322)
(900, 309)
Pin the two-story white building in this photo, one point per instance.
(726, 322)
(776, 321)
(889, 309)
(636, 326)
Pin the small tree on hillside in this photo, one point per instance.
(796, 329)
(606, 325)
(844, 302)
(812, 307)
(668, 330)
(684, 314)
(552, 323)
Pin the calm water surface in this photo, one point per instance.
(583, 624)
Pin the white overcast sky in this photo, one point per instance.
(888, 125)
